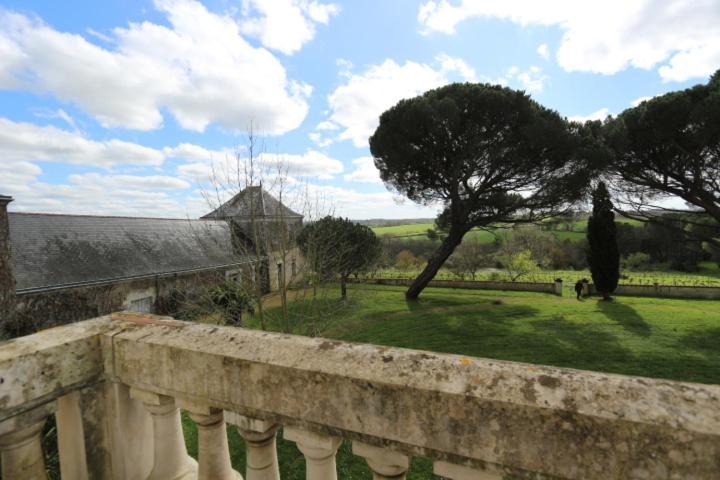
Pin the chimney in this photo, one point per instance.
(7, 279)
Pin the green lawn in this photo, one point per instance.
(663, 338)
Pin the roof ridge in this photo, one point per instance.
(110, 216)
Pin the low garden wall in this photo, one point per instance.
(555, 288)
(664, 291)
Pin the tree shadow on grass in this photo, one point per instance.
(706, 342)
(626, 316)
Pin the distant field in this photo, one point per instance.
(419, 231)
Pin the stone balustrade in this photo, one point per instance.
(117, 384)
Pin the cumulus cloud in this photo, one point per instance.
(29, 142)
(199, 68)
(356, 105)
(544, 51)
(640, 100)
(285, 25)
(269, 165)
(95, 194)
(606, 37)
(365, 171)
(596, 115)
(532, 80)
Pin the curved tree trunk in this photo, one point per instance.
(343, 287)
(447, 247)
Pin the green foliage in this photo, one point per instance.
(603, 254)
(338, 247)
(636, 261)
(670, 145)
(232, 300)
(473, 147)
(519, 264)
(405, 260)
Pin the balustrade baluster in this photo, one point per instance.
(385, 463)
(170, 458)
(260, 446)
(21, 452)
(319, 451)
(213, 452)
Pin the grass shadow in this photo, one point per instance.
(625, 316)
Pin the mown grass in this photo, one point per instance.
(662, 338)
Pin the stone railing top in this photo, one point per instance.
(502, 416)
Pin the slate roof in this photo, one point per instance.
(62, 250)
(252, 202)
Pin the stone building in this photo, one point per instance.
(66, 268)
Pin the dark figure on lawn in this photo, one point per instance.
(579, 288)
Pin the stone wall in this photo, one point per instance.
(170, 294)
(555, 288)
(7, 280)
(663, 291)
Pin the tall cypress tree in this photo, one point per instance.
(603, 255)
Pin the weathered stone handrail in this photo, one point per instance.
(476, 418)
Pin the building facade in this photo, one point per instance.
(65, 268)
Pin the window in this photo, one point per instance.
(293, 268)
(142, 305)
(233, 276)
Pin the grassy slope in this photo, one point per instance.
(674, 339)
(418, 230)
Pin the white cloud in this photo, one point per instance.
(268, 165)
(28, 142)
(450, 64)
(365, 171)
(326, 126)
(199, 68)
(95, 194)
(606, 37)
(311, 163)
(640, 100)
(544, 51)
(131, 182)
(356, 105)
(532, 80)
(286, 25)
(596, 115)
(318, 139)
(189, 151)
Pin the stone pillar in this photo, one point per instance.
(21, 452)
(319, 451)
(386, 464)
(7, 278)
(558, 287)
(71, 437)
(260, 446)
(170, 458)
(454, 471)
(213, 452)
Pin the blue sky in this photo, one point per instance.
(126, 107)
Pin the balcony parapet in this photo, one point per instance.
(476, 418)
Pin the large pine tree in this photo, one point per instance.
(603, 255)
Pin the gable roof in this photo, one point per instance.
(252, 202)
(52, 251)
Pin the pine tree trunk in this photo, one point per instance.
(447, 247)
(343, 287)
